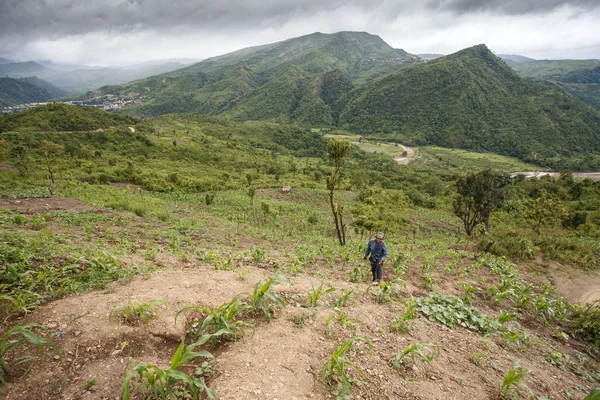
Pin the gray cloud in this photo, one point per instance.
(510, 7)
(127, 31)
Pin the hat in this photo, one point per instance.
(379, 235)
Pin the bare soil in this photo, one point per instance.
(40, 205)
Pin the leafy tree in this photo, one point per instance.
(337, 151)
(479, 195)
(543, 211)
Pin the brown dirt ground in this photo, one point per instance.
(39, 205)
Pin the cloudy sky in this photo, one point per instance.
(114, 32)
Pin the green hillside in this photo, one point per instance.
(26, 90)
(580, 78)
(62, 117)
(278, 82)
(473, 100)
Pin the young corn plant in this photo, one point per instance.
(335, 372)
(167, 384)
(513, 387)
(358, 274)
(261, 300)
(594, 394)
(134, 312)
(428, 352)
(403, 323)
(221, 322)
(344, 298)
(329, 327)
(17, 337)
(385, 292)
(314, 295)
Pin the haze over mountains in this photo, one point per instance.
(79, 78)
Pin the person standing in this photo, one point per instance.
(378, 251)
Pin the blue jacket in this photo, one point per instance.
(378, 251)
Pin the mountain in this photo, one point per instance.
(291, 81)
(5, 61)
(15, 91)
(471, 99)
(78, 79)
(577, 77)
(515, 58)
(23, 70)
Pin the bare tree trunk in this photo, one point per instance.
(335, 219)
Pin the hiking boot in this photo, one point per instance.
(375, 283)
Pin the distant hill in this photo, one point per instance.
(429, 56)
(23, 70)
(577, 77)
(62, 117)
(473, 100)
(26, 90)
(84, 78)
(5, 61)
(291, 81)
(515, 58)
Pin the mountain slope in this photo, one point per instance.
(580, 78)
(471, 99)
(61, 117)
(26, 90)
(270, 82)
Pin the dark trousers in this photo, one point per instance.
(376, 269)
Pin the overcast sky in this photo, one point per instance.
(113, 32)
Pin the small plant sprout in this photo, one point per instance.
(134, 312)
(426, 351)
(335, 372)
(594, 395)
(358, 274)
(385, 292)
(314, 295)
(220, 322)
(10, 340)
(329, 327)
(344, 298)
(512, 387)
(163, 383)
(261, 300)
(403, 323)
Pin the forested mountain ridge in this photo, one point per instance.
(471, 99)
(282, 76)
(580, 78)
(26, 90)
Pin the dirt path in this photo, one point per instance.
(575, 284)
(405, 159)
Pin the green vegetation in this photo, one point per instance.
(171, 383)
(580, 78)
(297, 80)
(134, 312)
(512, 387)
(428, 352)
(10, 341)
(26, 90)
(473, 100)
(335, 373)
(128, 203)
